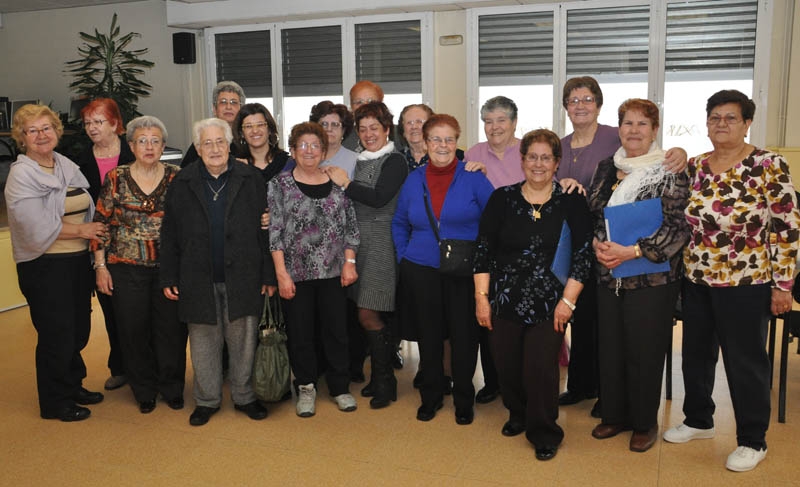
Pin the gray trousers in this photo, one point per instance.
(205, 345)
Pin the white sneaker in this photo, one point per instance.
(346, 402)
(683, 433)
(306, 397)
(744, 458)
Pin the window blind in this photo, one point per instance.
(608, 40)
(244, 57)
(515, 49)
(388, 53)
(312, 60)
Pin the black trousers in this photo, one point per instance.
(733, 319)
(582, 373)
(487, 361)
(58, 290)
(324, 298)
(634, 336)
(527, 368)
(152, 338)
(442, 306)
(115, 364)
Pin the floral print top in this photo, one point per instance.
(732, 216)
(517, 251)
(133, 217)
(313, 233)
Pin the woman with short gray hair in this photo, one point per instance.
(227, 99)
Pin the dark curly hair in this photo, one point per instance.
(308, 128)
(747, 106)
(541, 135)
(327, 107)
(587, 82)
(242, 150)
(376, 110)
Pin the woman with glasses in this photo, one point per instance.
(740, 264)
(131, 204)
(50, 215)
(255, 139)
(444, 198)
(337, 121)
(227, 98)
(108, 150)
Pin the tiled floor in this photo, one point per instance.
(119, 446)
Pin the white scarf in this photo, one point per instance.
(643, 175)
(368, 156)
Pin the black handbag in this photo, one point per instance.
(455, 256)
(271, 370)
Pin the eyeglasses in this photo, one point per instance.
(210, 144)
(144, 141)
(333, 125)
(362, 101)
(586, 100)
(251, 126)
(411, 123)
(34, 131)
(314, 146)
(440, 141)
(224, 101)
(729, 120)
(545, 158)
(91, 123)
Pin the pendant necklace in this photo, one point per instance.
(536, 213)
(217, 192)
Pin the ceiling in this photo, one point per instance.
(8, 6)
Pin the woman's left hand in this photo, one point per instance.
(337, 175)
(612, 254)
(676, 160)
(561, 316)
(781, 302)
(473, 166)
(349, 274)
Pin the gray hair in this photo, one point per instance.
(500, 103)
(145, 122)
(228, 87)
(198, 127)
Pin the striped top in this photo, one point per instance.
(75, 207)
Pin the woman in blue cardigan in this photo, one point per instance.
(440, 305)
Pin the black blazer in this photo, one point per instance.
(88, 165)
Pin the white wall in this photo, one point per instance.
(37, 44)
(450, 87)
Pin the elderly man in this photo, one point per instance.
(228, 97)
(215, 263)
(361, 93)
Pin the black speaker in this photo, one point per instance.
(183, 48)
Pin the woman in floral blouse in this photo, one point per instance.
(313, 239)
(517, 295)
(740, 264)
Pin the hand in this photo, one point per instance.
(103, 280)
(781, 302)
(286, 287)
(171, 293)
(569, 185)
(265, 219)
(676, 160)
(561, 316)
(337, 175)
(93, 230)
(270, 290)
(612, 254)
(473, 166)
(483, 311)
(349, 274)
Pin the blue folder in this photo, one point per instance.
(562, 261)
(625, 224)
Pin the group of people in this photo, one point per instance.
(348, 227)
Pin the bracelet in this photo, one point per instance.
(569, 304)
(98, 266)
(350, 261)
(637, 251)
(482, 293)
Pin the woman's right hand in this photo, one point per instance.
(286, 287)
(483, 311)
(103, 280)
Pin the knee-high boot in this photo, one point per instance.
(383, 381)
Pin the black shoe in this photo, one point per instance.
(175, 403)
(201, 415)
(397, 360)
(69, 414)
(427, 413)
(147, 406)
(486, 395)
(253, 410)
(464, 416)
(545, 453)
(569, 398)
(418, 379)
(85, 397)
(448, 385)
(512, 428)
(368, 390)
(596, 410)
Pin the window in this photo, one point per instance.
(245, 57)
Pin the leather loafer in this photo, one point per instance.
(545, 453)
(486, 395)
(641, 441)
(85, 397)
(464, 416)
(603, 431)
(147, 406)
(427, 413)
(201, 415)
(175, 403)
(569, 398)
(368, 390)
(69, 414)
(513, 428)
(253, 410)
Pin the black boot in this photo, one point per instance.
(384, 384)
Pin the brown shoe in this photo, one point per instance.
(641, 441)
(603, 431)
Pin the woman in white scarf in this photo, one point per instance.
(635, 313)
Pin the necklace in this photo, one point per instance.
(536, 213)
(217, 192)
(110, 151)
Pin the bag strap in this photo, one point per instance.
(430, 214)
(273, 315)
(265, 310)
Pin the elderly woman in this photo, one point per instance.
(103, 124)
(255, 138)
(519, 298)
(337, 121)
(215, 263)
(441, 201)
(740, 264)
(227, 98)
(590, 143)
(50, 218)
(635, 312)
(126, 266)
(313, 240)
(379, 174)
(500, 152)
